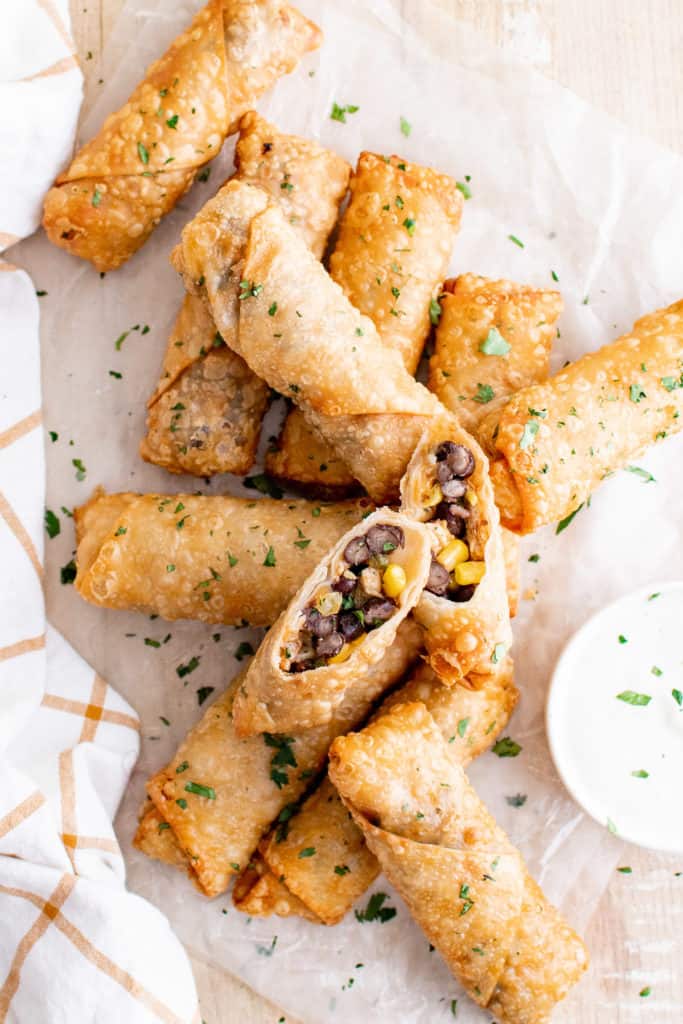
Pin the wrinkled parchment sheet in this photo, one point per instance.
(603, 210)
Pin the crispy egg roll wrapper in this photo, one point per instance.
(465, 640)
(133, 555)
(252, 780)
(553, 443)
(145, 157)
(468, 381)
(315, 347)
(464, 882)
(155, 838)
(278, 881)
(301, 458)
(205, 416)
(389, 277)
(273, 699)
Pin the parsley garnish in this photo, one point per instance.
(67, 574)
(244, 650)
(375, 910)
(639, 700)
(142, 153)
(272, 309)
(96, 196)
(678, 697)
(409, 224)
(282, 758)
(517, 241)
(494, 344)
(203, 692)
(506, 747)
(80, 468)
(564, 523)
(199, 790)
(249, 289)
(263, 483)
(52, 524)
(528, 434)
(518, 800)
(341, 870)
(485, 394)
(172, 122)
(309, 851)
(185, 670)
(462, 726)
(642, 473)
(406, 127)
(463, 187)
(339, 113)
(635, 393)
(269, 560)
(534, 558)
(640, 774)
(434, 312)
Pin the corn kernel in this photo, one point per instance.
(394, 580)
(471, 497)
(469, 572)
(434, 497)
(455, 552)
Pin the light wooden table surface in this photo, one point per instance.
(625, 57)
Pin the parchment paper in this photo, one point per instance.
(600, 208)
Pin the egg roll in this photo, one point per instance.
(552, 444)
(464, 882)
(295, 329)
(342, 620)
(205, 415)
(393, 279)
(492, 338)
(146, 155)
(464, 607)
(218, 559)
(324, 886)
(302, 460)
(221, 792)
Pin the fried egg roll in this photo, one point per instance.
(324, 886)
(145, 157)
(464, 608)
(300, 458)
(218, 559)
(492, 338)
(342, 620)
(221, 792)
(393, 279)
(463, 881)
(552, 444)
(205, 415)
(295, 329)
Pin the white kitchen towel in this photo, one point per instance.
(74, 944)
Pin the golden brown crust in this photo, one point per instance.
(243, 784)
(553, 443)
(122, 182)
(468, 381)
(462, 879)
(303, 460)
(132, 554)
(325, 886)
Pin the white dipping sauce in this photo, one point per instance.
(621, 758)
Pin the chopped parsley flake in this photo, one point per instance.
(494, 344)
(642, 473)
(518, 800)
(263, 483)
(463, 187)
(434, 312)
(640, 774)
(506, 747)
(185, 670)
(528, 434)
(339, 113)
(203, 692)
(249, 290)
(564, 523)
(80, 468)
(269, 560)
(409, 224)
(172, 122)
(199, 790)
(341, 870)
(142, 153)
(244, 650)
(52, 524)
(67, 574)
(517, 241)
(638, 700)
(485, 394)
(96, 197)
(375, 910)
(406, 127)
(636, 393)
(309, 851)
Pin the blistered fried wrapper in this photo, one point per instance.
(205, 415)
(492, 338)
(145, 157)
(199, 557)
(324, 887)
(238, 787)
(463, 881)
(552, 444)
(464, 640)
(314, 347)
(388, 274)
(272, 697)
(301, 458)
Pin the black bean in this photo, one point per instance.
(453, 489)
(357, 551)
(444, 473)
(438, 579)
(463, 593)
(350, 626)
(461, 461)
(384, 538)
(444, 450)
(344, 585)
(328, 646)
(378, 610)
(322, 625)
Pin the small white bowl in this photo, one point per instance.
(620, 754)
